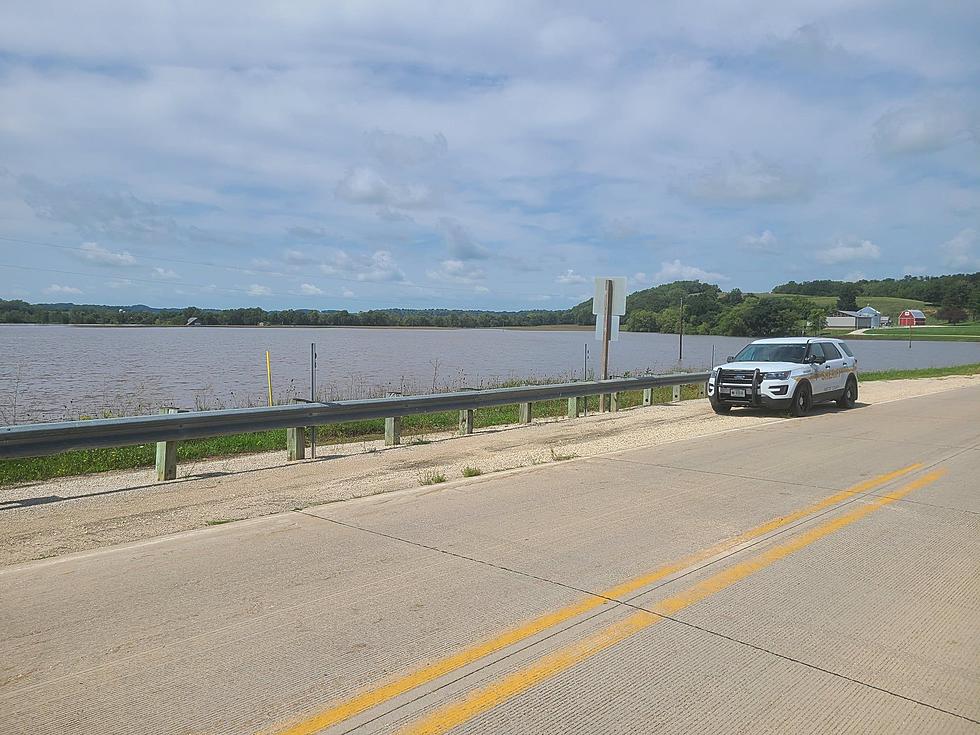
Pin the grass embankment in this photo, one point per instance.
(960, 333)
(415, 429)
(937, 372)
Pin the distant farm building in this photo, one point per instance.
(193, 322)
(866, 318)
(911, 318)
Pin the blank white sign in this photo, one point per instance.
(613, 328)
(618, 295)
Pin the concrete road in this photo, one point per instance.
(814, 575)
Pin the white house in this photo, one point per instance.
(866, 318)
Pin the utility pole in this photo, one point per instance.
(680, 335)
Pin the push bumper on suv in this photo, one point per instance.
(747, 388)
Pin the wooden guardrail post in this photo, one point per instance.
(167, 456)
(525, 417)
(393, 426)
(613, 402)
(295, 443)
(702, 390)
(573, 406)
(466, 421)
(676, 394)
(648, 396)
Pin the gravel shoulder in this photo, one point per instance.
(66, 515)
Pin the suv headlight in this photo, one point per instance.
(782, 375)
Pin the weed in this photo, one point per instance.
(472, 471)
(220, 521)
(561, 457)
(431, 477)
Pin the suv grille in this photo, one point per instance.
(736, 377)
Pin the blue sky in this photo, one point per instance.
(479, 155)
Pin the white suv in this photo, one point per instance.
(786, 373)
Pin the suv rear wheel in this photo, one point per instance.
(802, 400)
(848, 399)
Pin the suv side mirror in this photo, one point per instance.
(730, 358)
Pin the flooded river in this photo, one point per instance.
(50, 373)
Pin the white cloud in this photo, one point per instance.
(458, 271)
(347, 293)
(298, 257)
(95, 253)
(674, 270)
(765, 242)
(363, 185)
(308, 289)
(924, 128)
(961, 250)
(481, 289)
(848, 251)
(570, 276)
(461, 245)
(55, 289)
(258, 290)
(379, 266)
(742, 181)
(164, 273)
(395, 149)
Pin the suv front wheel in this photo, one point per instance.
(802, 400)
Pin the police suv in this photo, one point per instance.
(786, 373)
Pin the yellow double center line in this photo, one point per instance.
(373, 697)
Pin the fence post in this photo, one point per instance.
(525, 417)
(613, 402)
(393, 426)
(295, 443)
(167, 456)
(466, 421)
(648, 396)
(676, 397)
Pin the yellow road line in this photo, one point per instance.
(373, 697)
(480, 700)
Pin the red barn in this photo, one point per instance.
(911, 318)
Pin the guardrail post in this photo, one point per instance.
(393, 427)
(295, 443)
(573, 406)
(466, 421)
(676, 396)
(702, 390)
(525, 417)
(648, 396)
(613, 402)
(167, 456)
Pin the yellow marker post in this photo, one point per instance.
(268, 371)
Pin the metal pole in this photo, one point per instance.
(585, 376)
(606, 334)
(313, 397)
(680, 335)
(268, 372)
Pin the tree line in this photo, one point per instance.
(706, 309)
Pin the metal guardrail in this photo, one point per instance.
(34, 440)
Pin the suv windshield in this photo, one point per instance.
(772, 353)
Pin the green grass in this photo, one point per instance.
(963, 332)
(415, 430)
(561, 456)
(936, 372)
(472, 472)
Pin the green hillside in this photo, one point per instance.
(887, 305)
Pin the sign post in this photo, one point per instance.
(608, 304)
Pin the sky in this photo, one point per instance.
(483, 155)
